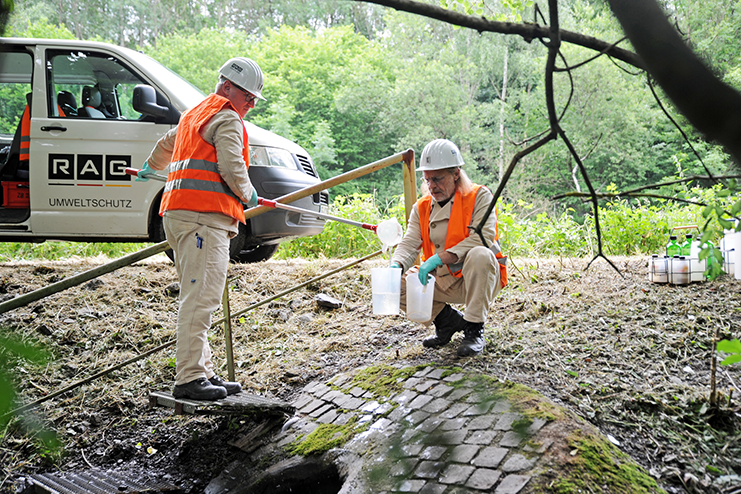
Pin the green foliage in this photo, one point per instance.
(732, 347)
(14, 353)
(342, 240)
(39, 29)
(15, 251)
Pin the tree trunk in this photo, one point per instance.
(502, 103)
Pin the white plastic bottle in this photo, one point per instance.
(697, 267)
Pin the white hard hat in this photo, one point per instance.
(245, 73)
(440, 154)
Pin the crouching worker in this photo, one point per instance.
(465, 271)
(207, 182)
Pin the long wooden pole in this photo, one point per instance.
(44, 292)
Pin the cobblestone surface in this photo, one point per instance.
(440, 433)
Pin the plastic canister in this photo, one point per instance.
(730, 244)
(419, 298)
(697, 266)
(736, 257)
(679, 273)
(386, 287)
(657, 269)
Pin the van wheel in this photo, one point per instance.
(236, 244)
(258, 253)
(158, 234)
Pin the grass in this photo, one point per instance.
(628, 228)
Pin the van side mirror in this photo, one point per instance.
(144, 100)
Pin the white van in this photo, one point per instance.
(97, 109)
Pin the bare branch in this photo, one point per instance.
(527, 31)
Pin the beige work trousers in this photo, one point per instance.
(476, 288)
(201, 260)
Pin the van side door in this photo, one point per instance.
(84, 133)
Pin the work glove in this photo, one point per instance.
(143, 174)
(427, 267)
(395, 265)
(253, 200)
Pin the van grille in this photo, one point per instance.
(321, 198)
(306, 165)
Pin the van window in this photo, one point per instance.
(90, 85)
(16, 69)
(15, 82)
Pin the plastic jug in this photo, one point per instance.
(697, 266)
(679, 273)
(386, 287)
(419, 298)
(657, 269)
(730, 244)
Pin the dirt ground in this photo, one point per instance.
(631, 357)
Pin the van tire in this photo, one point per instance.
(157, 234)
(257, 253)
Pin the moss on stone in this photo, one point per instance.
(530, 403)
(597, 465)
(326, 437)
(384, 380)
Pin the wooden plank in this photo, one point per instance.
(233, 404)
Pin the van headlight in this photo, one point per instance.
(276, 157)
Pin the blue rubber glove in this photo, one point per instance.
(395, 265)
(428, 266)
(144, 173)
(253, 200)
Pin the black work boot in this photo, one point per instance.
(232, 388)
(473, 339)
(447, 323)
(199, 389)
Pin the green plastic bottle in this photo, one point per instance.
(673, 248)
(686, 247)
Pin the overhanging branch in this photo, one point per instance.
(526, 30)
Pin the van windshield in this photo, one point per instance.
(187, 94)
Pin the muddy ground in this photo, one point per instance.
(631, 357)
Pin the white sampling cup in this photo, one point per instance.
(386, 288)
(419, 298)
(389, 233)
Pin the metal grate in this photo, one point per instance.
(306, 165)
(99, 482)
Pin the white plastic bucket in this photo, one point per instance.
(386, 287)
(419, 298)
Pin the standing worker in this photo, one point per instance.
(208, 156)
(465, 270)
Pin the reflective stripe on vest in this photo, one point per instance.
(461, 214)
(25, 134)
(193, 181)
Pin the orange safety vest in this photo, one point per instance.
(23, 155)
(460, 218)
(194, 182)
(25, 134)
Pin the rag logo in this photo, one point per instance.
(89, 167)
(237, 68)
